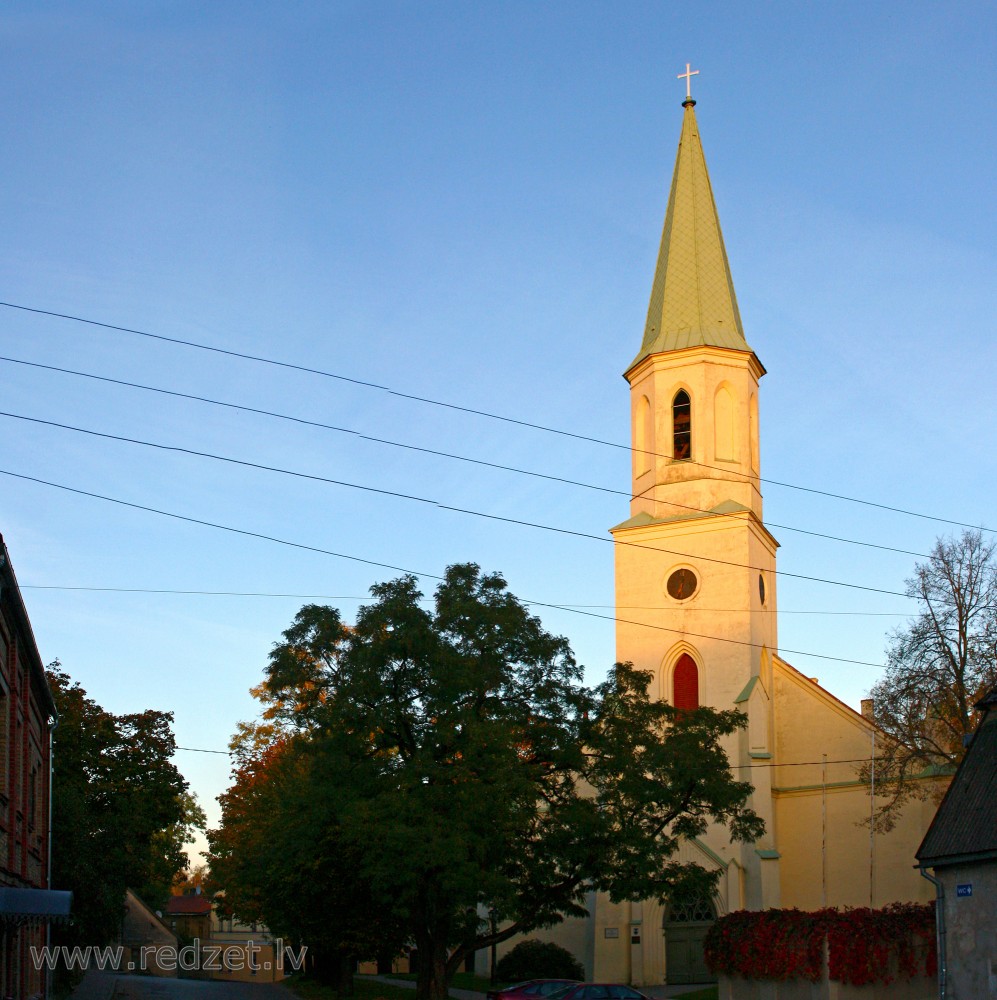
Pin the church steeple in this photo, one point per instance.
(692, 298)
(694, 384)
(695, 564)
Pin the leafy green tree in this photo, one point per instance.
(468, 769)
(279, 858)
(120, 812)
(168, 857)
(938, 666)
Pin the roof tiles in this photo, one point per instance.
(965, 826)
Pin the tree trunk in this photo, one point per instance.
(334, 968)
(344, 974)
(433, 980)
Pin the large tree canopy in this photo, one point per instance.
(938, 666)
(463, 767)
(280, 857)
(120, 811)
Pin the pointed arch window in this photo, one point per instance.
(681, 426)
(685, 683)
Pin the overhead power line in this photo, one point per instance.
(433, 451)
(733, 767)
(367, 597)
(365, 383)
(431, 576)
(442, 506)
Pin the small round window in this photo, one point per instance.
(761, 587)
(682, 584)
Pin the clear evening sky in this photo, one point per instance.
(463, 202)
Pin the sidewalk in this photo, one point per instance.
(408, 984)
(95, 985)
(655, 992)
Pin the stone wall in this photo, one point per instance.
(971, 924)
(735, 988)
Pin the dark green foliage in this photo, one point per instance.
(281, 858)
(458, 765)
(120, 810)
(537, 960)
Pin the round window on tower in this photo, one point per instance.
(682, 584)
(761, 587)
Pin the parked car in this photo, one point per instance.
(531, 989)
(597, 991)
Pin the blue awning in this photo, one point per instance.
(34, 906)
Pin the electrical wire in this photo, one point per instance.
(442, 506)
(432, 576)
(440, 454)
(733, 767)
(366, 597)
(455, 407)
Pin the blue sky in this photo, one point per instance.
(464, 202)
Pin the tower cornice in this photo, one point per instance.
(664, 360)
(644, 528)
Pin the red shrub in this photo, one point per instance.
(864, 946)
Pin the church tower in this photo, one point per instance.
(695, 565)
(696, 609)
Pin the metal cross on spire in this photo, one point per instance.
(687, 76)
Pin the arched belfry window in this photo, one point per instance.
(681, 426)
(685, 683)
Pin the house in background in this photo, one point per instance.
(270, 959)
(27, 719)
(189, 916)
(143, 935)
(961, 847)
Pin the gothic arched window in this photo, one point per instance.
(681, 426)
(685, 683)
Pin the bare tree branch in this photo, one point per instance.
(938, 666)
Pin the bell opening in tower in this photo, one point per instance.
(681, 426)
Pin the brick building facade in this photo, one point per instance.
(27, 718)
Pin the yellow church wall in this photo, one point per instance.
(612, 941)
(727, 646)
(829, 859)
(725, 627)
(630, 937)
(833, 729)
(821, 808)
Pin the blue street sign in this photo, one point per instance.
(966, 889)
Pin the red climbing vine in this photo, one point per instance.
(863, 945)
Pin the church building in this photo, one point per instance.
(696, 599)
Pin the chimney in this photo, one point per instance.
(867, 708)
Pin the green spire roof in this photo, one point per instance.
(692, 298)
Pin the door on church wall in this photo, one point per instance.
(685, 930)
